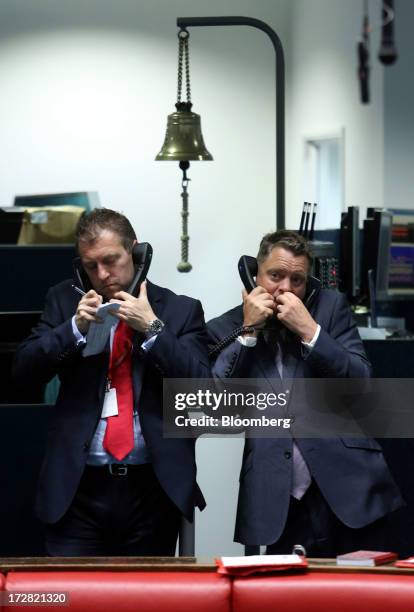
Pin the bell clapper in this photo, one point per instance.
(184, 265)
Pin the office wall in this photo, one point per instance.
(398, 114)
(323, 99)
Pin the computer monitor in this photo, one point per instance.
(350, 263)
(377, 251)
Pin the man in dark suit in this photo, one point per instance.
(96, 498)
(329, 494)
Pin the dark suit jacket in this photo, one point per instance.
(178, 352)
(350, 472)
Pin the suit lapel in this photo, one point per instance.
(155, 299)
(291, 356)
(140, 360)
(266, 363)
(103, 372)
(291, 360)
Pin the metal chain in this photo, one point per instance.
(183, 54)
(180, 68)
(187, 68)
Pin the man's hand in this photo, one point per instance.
(257, 306)
(136, 312)
(86, 311)
(292, 312)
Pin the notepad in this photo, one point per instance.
(98, 333)
(244, 566)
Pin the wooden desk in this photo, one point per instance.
(163, 564)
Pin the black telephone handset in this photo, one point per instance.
(248, 271)
(141, 256)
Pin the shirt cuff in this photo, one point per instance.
(247, 340)
(147, 344)
(311, 344)
(78, 336)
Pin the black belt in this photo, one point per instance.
(119, 469)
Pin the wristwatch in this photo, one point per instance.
(154, 327)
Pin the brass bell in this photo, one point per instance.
(183, 139)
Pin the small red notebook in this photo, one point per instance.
(366, 558)
(244, 566)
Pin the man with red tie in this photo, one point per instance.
(110, 483)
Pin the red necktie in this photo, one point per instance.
(119, 434)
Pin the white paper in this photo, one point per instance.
(98, 333)
(257, 560)
(110, 405)
(39, 217)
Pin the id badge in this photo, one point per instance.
(110, 405)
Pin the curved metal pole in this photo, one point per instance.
(186, 22)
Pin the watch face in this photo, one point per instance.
(155, 326)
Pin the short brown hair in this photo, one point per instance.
(91, 225)
(287, 239)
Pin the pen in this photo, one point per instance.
(78, 290)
